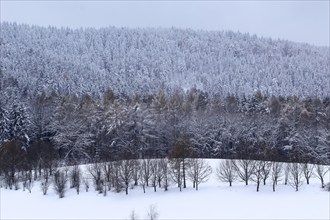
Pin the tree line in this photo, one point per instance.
(162, 174)
(39, 132)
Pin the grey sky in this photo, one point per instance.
(301, 21)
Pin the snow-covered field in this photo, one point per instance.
(214, 200)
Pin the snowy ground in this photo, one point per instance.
(214, 200)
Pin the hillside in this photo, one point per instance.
(140, 61)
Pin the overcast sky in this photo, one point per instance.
(300, 21)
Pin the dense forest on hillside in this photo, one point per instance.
(140, 61)
(112, 93)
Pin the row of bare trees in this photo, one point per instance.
(157, 173)
(259, 171)
(123, 175)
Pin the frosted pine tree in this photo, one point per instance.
(20, 124)
(4, 124)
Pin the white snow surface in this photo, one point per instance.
(213, 200)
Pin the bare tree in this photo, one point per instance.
(60, 181)
(181, 150)
(145, 171)
(276, 173)
(45, 182)
(28, 181)
(154, 173)
(143, 182)
(126, 173)
(308, 171)
(296, 172)
(321, 171)
(257, 173)
(198, 171)
(95, 171)
(107, 171)
(176, 172)
(86, 183)
(286, 173)
(165, 170)
(29, 185)
(75, 178)
(226, 171)
(115, 177)
(265, 171)
(136, 172)
(152, 213)
(159, 174)
(244, 169)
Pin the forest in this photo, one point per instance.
(96, 95)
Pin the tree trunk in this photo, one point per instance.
(258, 183)
(230, 183)
(322, 182)
(196, 186)
(184, 174)
(274, 186)
(126, 190)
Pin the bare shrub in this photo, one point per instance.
(152, 213)
(133, 216)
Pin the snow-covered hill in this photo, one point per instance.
(129, 61)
